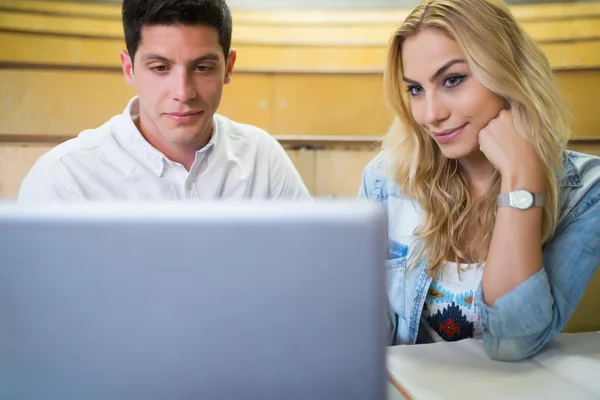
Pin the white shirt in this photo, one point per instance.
(115, 162)
(449, 313)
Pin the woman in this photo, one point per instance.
(494, 227)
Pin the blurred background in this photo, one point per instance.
(308, 72)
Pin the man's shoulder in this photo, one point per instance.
(243, 132)
(87, 141)
(55, 174)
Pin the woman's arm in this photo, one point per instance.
(515, 252)
(527, 293)
(521, 322)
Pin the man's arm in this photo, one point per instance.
(48, 181)
(285, 181)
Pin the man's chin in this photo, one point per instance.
(190, 136)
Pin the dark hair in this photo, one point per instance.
(140, 13)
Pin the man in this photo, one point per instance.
(169, 143)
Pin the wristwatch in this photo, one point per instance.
(521, 199)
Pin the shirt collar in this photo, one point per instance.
(571, 175)
(142, 150)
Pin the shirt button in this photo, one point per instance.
(188, 186)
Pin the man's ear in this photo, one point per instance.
(127, 67)
(229, 63)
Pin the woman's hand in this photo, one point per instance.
(513, 156)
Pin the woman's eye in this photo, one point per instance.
(415, 90)
(452, 81)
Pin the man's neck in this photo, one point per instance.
(182, 153)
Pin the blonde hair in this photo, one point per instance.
(505, 59)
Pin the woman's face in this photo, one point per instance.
(445, 99)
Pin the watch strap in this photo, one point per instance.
(503, 200)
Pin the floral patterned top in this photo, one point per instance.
(449, 313)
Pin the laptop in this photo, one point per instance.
(222, 300)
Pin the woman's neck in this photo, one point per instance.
(479, 172)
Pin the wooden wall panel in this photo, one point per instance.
(249, 99)
(70, 51)
(311, 59)
(62, 102)
(49, 50)
(59, 102)
(75, 8)
(25, 48)
(582, 89)
(61, 25)
(339, 172)
(15, 162)
(573, 55)
(285, 32)
(523, 12)
(305, 162)
(563, 29)
(330, 105)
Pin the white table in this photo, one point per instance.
(568, 368)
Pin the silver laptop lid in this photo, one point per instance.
(192, 301)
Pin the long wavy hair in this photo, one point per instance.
(506, 60)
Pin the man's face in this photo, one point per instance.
(179, 72)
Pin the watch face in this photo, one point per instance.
(522, 199)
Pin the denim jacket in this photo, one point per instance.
(523, 321)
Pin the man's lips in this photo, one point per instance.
(183, 116)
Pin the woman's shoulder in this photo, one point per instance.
(581, 169)
(379, 163)
(580, 181)
(378, 180)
